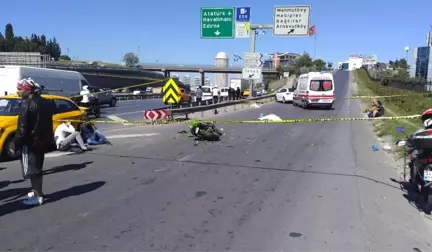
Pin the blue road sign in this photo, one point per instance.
(243, 14)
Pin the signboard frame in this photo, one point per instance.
(256, 76)
(242, 25)
(222, 36)
(253, 60)
(287, 31)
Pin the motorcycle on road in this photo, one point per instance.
(418, 157)
(206, 131)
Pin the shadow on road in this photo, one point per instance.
(17, 205)
(412, 196)
(246, 166)
(2, 168)
(68, 167)
(6, 183)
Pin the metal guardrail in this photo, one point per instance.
(200, 108)
(122, 97)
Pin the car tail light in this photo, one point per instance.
(428, 160)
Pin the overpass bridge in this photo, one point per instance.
(156, 70)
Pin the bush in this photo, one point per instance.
(411, 103)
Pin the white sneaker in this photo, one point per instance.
(31, 194)
(33, 201)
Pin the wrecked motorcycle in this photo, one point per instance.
(206, 131)
(419, 153)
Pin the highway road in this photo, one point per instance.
(264, 187)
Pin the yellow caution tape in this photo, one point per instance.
(117, 89)
(378, 96)
(298, 120)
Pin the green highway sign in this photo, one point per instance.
(217, 23)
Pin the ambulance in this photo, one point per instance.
(314, 89)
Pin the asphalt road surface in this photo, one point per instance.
(264, 187)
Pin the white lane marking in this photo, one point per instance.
(132, 135)
(57, 154)
(128, 113)
(187, 157)
(130, 106)
(116, 118)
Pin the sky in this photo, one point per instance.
(169, 31)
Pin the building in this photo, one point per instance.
(33, 59)
(355, 62)
(197, 80)
(429, 39)
(186, 79)
(207, 81)
(421, 66)
(221, 61)
(281, 59)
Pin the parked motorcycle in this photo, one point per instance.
(206, 131)
(93, 107)
(418, 157)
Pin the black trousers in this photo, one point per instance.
(32, 161)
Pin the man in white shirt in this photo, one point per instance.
(85, 95)
(215, 93)
(65, 135)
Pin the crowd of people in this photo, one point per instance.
(34, 136)
(233, 94)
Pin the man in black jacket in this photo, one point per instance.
(34, 136)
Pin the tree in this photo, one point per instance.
(2, 42)
(9, 34)
(36, 43)
(9, 38)
(329, 65)
(319, 64)
(64, 57)
(130, 59)
(304, 61)
(403, 64)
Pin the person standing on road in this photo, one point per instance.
(33, 137)
(198, 94)
(238, 93)
(215, 93)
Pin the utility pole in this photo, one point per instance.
(253, 33)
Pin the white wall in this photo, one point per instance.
(355, 63)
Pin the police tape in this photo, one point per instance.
(297, 120)
(377, 96)
(337, 98)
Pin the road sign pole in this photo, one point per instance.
(253, 34)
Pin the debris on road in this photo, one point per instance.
(270, 117)
(255, 105)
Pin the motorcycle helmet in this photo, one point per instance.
(195, 123)
(427, 119)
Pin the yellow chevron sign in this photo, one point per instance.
(171, 92)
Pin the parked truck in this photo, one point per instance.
(243, 84)
(157, 90)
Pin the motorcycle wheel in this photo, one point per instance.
(208, 136)
(217, 131)
(192, 131)
(427, 194)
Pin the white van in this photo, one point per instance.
(224, 93)
(56, 82)
(315, 89)
(207, 93)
